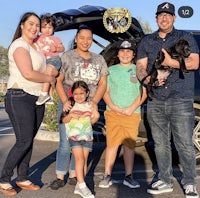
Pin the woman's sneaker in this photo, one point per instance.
(191, 191)
(160, 187)
(106, 182)
(72, 180)
(56, 184)
(83, 191)
(130, 182)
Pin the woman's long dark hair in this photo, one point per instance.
(77, 84)
(24, 18)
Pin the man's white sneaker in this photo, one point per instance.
(191, 191)
(160, 187)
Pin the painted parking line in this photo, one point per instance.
(4, 131)
(6, 134)
(5, 128)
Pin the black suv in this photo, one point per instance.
(93, 17)
(196, 35)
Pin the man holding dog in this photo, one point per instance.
(170, 111)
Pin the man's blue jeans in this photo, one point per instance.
(64, 158)
(176, 117)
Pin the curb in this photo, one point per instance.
(43, 135)
(47, 136)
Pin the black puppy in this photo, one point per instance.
(179, 51)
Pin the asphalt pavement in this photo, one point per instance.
(42, 169)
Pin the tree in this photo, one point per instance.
(3, 61)
(3, 71)
(145, 26)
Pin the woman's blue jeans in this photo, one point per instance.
(64, 158)
(176, 117)
(26, 118)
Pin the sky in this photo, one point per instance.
(145, 9)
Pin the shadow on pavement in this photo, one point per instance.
(36, 171)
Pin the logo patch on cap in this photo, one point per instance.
(166, 6)
(125, 45)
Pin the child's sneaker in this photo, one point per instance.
(83, 191)
(106, 182)
(130, 182)
(42, 99)
(191, 191)
(50, 101)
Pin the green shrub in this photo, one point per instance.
(2, 97)
(50, 122)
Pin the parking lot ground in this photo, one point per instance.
(42, 171)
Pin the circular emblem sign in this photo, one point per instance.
(185, 11)
(117, 20)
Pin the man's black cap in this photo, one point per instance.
(166, 7)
